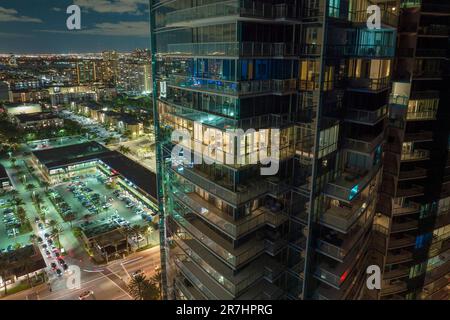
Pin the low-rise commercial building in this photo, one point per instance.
(21, 263)
(5, 183)
(61, 164)
(39, 120)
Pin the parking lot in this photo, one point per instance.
(93, 126)
(10, 228)
(93, 198)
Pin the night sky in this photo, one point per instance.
(39, 26)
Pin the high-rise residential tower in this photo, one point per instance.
(310, 77)
(413, 228)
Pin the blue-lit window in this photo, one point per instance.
(353, 192)
(333, 8)
(422, 240)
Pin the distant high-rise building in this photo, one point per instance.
(109, 67)
(134, 76)
(87, 71)
(5, 92)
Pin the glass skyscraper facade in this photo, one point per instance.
(412, 230)
(308, 77)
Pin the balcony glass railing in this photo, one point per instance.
(350, 183)
(389, 18)
(421, 115)
(412, 191)
(435, 30)
(343, 218)
(243, 193)
(361, 50)
(233, 256)
(211, 214)
(233, 87)
(368, 117)
(419, 136)
(369, 84)
(247, 8)
(416, 155)
(409, 208)
(364, 144)
(234, 49)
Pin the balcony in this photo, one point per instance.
(364, 144)
(396, 273)
(343, 217)
(336, 274)
(431, 53)
(233, 282)
(366, 117)
(221, 49)
(275, 219)
(234, 88)
(425, 74)
(435, 8)
(272, 269)
(396, 258)
(338, 246)
(388, 18)
(394, 288)
(201, 280)
(188, 290)
(416, 173)
(217, 244)
(410, 208)
(268, 49)
(188, 16)
(372, 51)
(412, 191)
(273, 247)
(376, 84)
(421, 116)
(435, 30)
(228, 11)
(416, 155)
(351, 182)
(219, 219)
(242, 194)
(402, 242)
(234, 49)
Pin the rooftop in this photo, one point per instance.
(3, 173)
(90, 151)
(69, 154)
(30, 117)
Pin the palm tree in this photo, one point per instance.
(30, 188)
(136, 286)
(14, 193)
(17, 202)
(46, 185)
(33, 239)
(140, 288)
(56, 230)
(145, 231)
(127, 232)
(38, 201)
(124, 150)
(4, 267)
(136, 231)
(21, 214)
